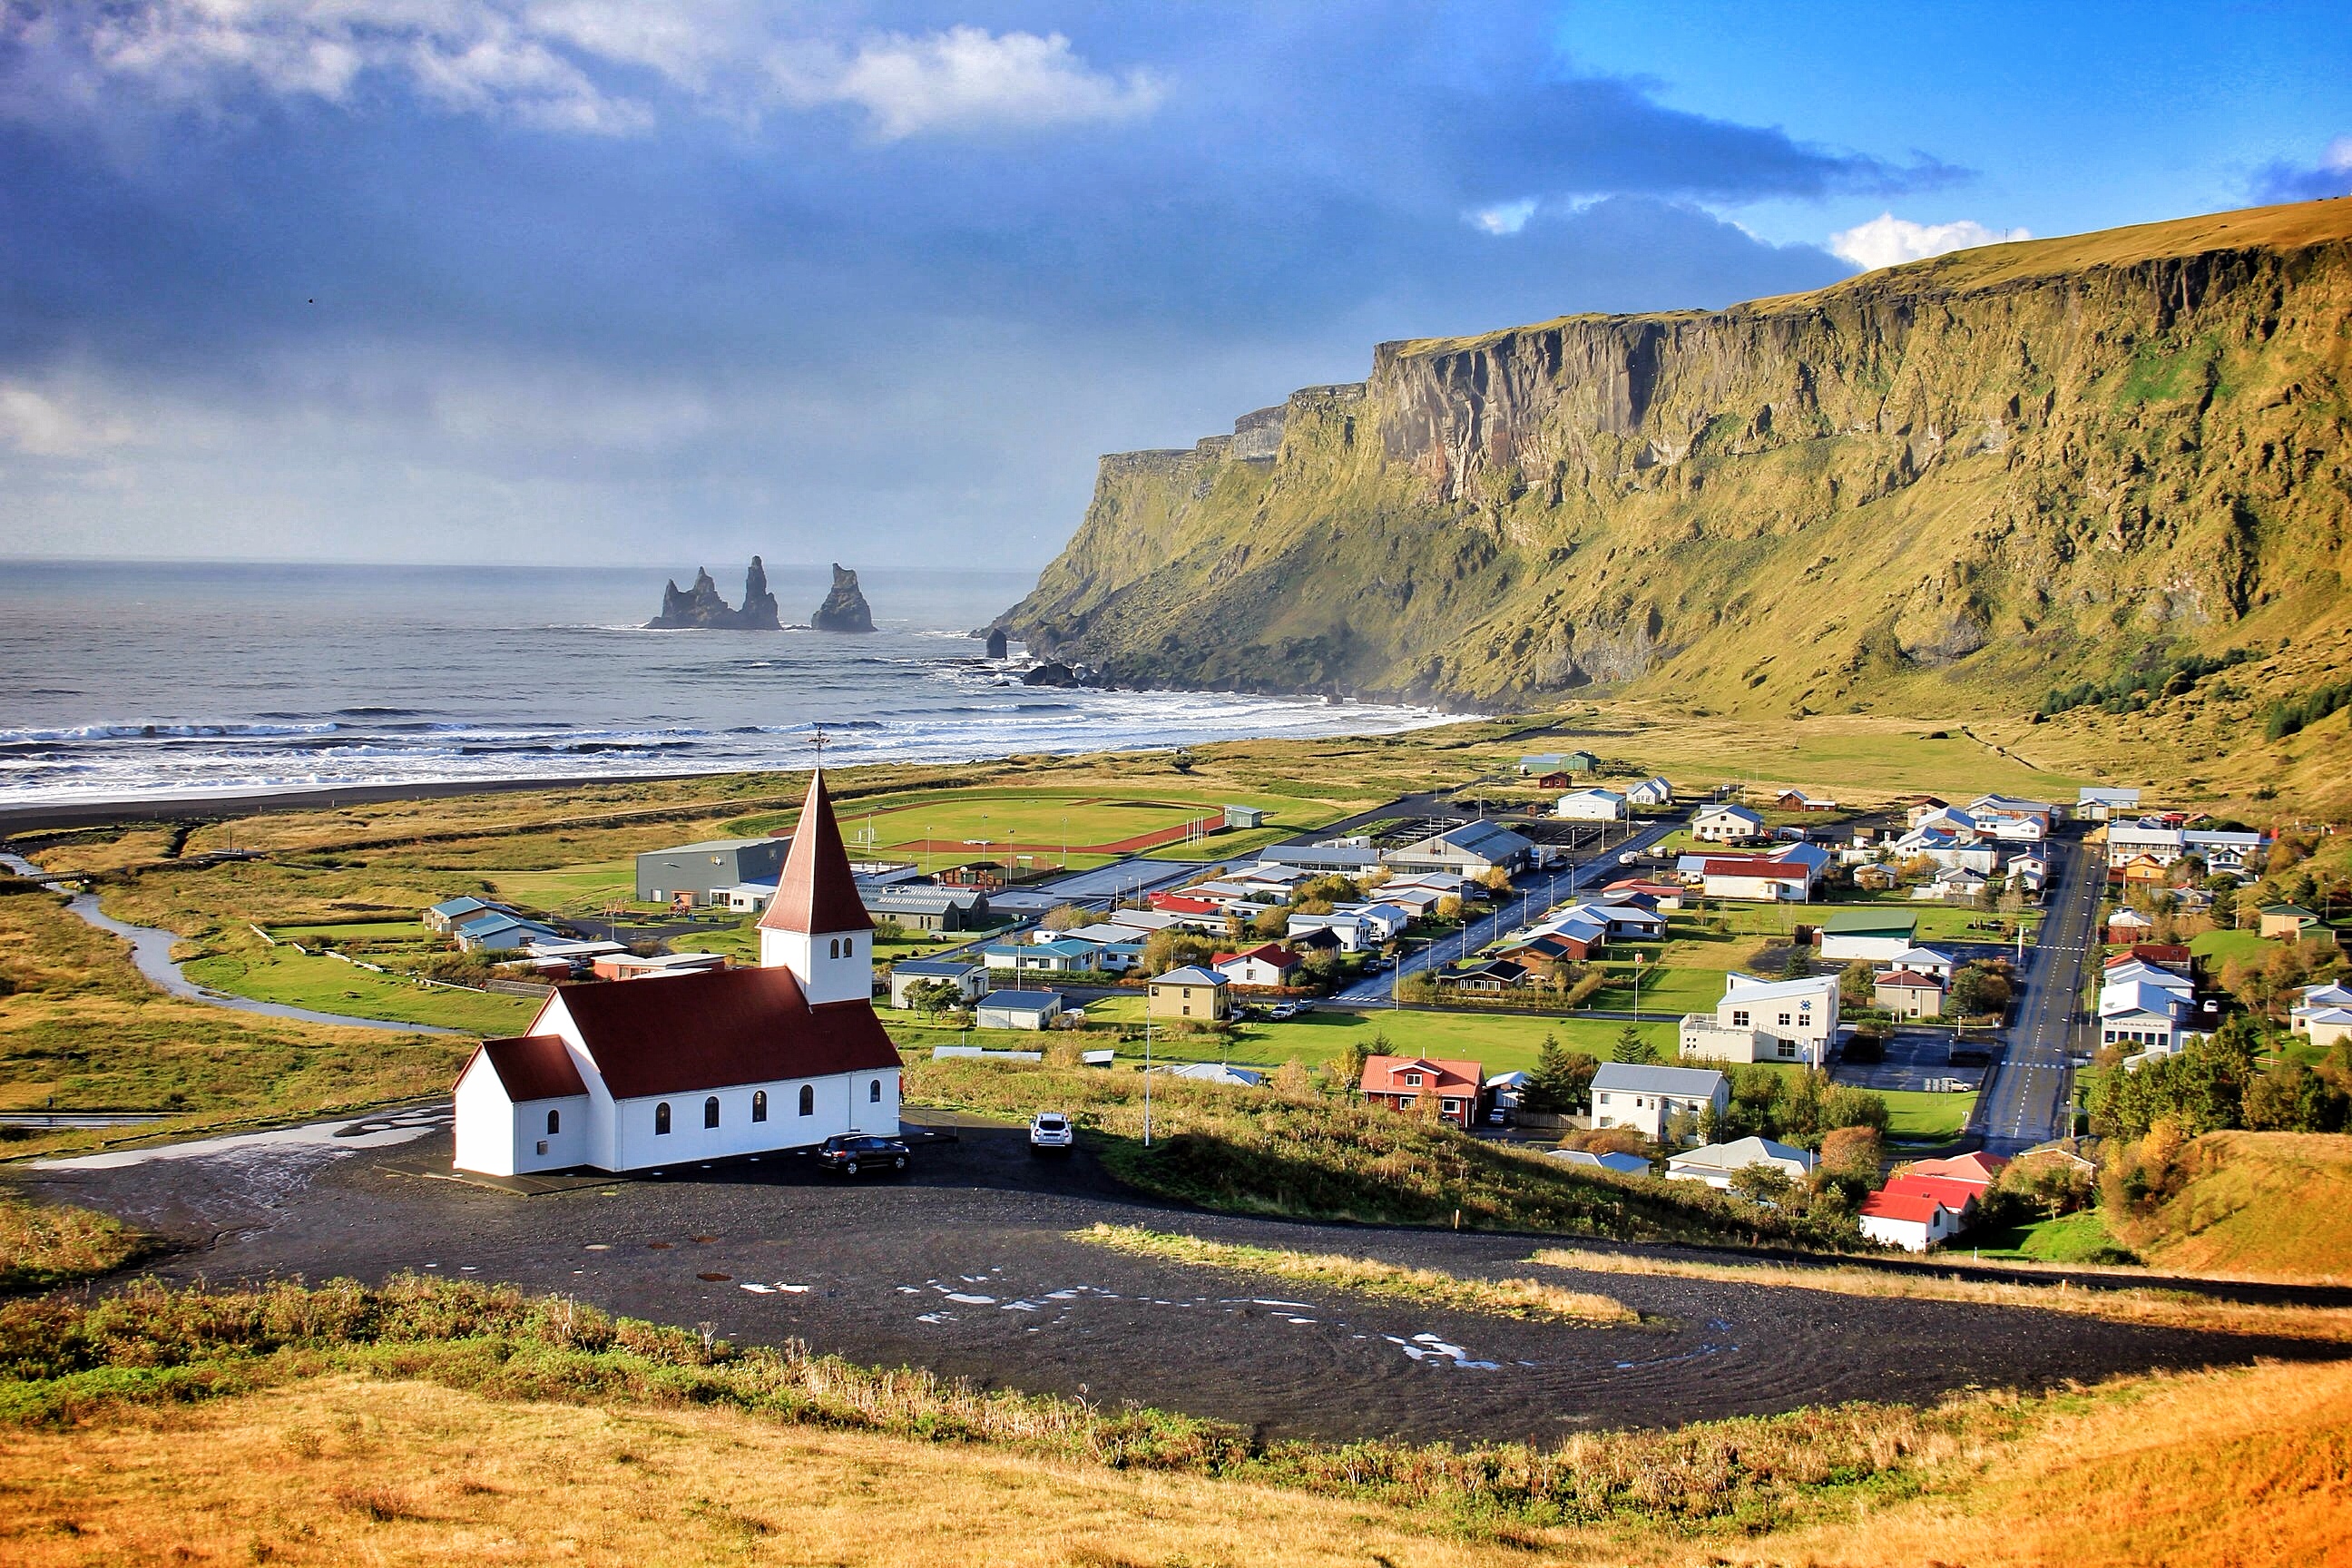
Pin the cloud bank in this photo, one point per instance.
(1889, 241)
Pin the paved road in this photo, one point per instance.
(1535, 894)
(2031, 1098)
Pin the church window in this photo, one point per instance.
(710, 1111)
(832, 948)
(873, 1093)
(759, 1105)
(661, 1119)
(849, 947)
(808, 1101)
(555, 1123)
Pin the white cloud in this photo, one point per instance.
(55, 422)
(1504, 217)
(2337, 158)
(963, 79)
(1887, 240)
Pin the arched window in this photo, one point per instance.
(710, 1111)
(555, 1123)
(661, 1119)
(873, 1096)
(759, 1105)
(849, 947)
(808, 1101)
(832, 948)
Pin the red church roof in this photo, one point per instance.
(817, 892)
(534, 1066)
(686, 1033)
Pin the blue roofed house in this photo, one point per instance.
(1018, 1009)
(909, 973)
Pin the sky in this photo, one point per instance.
(602, 282)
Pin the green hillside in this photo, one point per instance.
(1944, 487)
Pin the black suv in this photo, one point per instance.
(849, 1152)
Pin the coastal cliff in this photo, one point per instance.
(1956, 482)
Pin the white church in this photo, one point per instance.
(633, 1074)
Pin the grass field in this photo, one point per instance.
(330, 986)
(2079, 1238)
(570, 889)
(1915, 1116)
(2255, 1203)
(83, 1028)
(2221, 946)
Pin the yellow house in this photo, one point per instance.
(1201, 995)
(2289, 921)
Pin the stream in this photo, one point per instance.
(151, 950)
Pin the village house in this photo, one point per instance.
(1491, 978)
(1623, 1165)
(1867, 934)
(443, 917)
(1653, 791)
(1268, 965)
(1952, 885)
(494, 930)
(2093, 803)
(1201, 995)
(1592, 805)
(1753, 877)
(703, 1065)
(627, 965)
(1352, 933)
(1645, 1098)
(2128, 926)
(1906, 994)
(691, 873)
(928, 909)
(2144, 1006)
(1050, 955)
(1766, 1021)
(1901, 1214)
(2324, 1014)
(1018, 1010)
(1925, 961)
(1401, 1083)
(1717, 1163)
(1472, 850)
(2289, 922)
(1727, 824)
(1798, 800)
(968, 979)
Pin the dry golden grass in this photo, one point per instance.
(2225, 1469)
(1523, 1299)
(2128, 1304)
(2236, 1469)
(42, 1245)
(345, 1471)
(2269, 1204)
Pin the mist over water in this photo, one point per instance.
(134, 680)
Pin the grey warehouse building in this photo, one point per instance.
(700, 870)
(927, 909)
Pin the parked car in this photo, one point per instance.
(1050, 1133)
(849, 1152)
(1282, 1010)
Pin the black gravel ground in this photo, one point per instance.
(874, 1270)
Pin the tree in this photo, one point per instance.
(1858, 985)
(1290, 1080)
(1349, 1063)
(934, 996)
(1980, 988)
(1272, 924)
(1768, 1185)
(1631, 1048)
(1167, 949)
(1496, 880)
(1845, 1107)
(1067, 917)
(1562, 1079)
(1858, 1151)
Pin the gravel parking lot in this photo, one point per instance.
(966, 1266)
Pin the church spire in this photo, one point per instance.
(817, 893)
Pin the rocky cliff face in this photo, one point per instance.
(700, 608)
(1959, 481)
(844, 608)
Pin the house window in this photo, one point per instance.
(1784, 1020)
(1739, 1019)
(710, 1111)
(759, 1105)
(542, 1145)
(873, 1092)
(1604, 1099)
(1451, 1107)
(661, 1119)
(554, 1124)
(808, 1101)
(1788, 1050)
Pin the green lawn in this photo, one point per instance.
(2221, 946)
(1665, 988)
(359, 931)
(329, 986)
(570, 887)
(2079, 1238)
(1915, 1116)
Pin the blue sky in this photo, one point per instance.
(529, 280)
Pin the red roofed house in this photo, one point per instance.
(1401, 1081)
(1978, 1169)
(1179, 904)
(1909, 1214)
(1752, 877)
(702, 1066)
(1269, 963)
(1909, 995)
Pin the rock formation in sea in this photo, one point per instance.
(700, 608)
(996, 642)
(845, 609)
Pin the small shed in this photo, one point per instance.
(1018, 1009)
(1245, 817)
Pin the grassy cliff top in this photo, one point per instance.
(2291, 227)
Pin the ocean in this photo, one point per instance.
(142, 680)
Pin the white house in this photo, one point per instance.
(2144, 1007)
(1652, 791)
(1766, 1021)
(1868, 934)
(2096, 803)
(1910, 1220)
(968, 979)
(703, 1065)
(1716, 1163)
(1924, 961)
(1592, 805)
(1644, 1097)
(1354, 933)
(1269, 964)
(2323, 1013)
(1017, 1009)
(1754, 876)
(2127, 839)
(1726, 825)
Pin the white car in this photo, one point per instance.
(1050, 1133)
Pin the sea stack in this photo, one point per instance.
(845, 609)
(700, 608)
(996, 643)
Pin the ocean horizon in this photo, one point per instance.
(139, 680)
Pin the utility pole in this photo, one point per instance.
(1146, 1066)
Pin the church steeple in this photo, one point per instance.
(817, 925)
